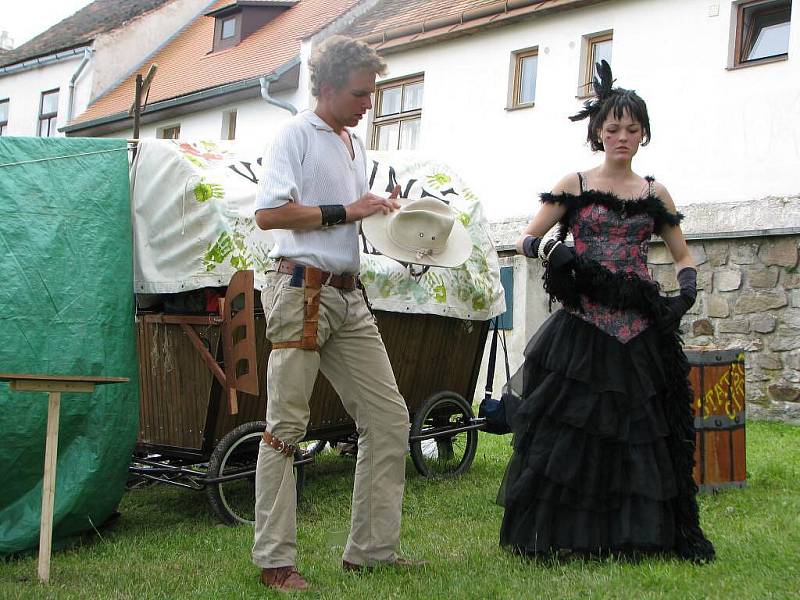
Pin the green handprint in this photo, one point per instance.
(439, 179)
(216, 254)
(436, 284)
(205, 191)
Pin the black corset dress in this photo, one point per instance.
(597, 420)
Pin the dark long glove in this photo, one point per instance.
(677, 306)
(558, 254)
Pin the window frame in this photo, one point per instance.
(161, 131)
(229, 118)
(587, 64)
(376, 121)
(4, 123)
(738, 43)
(51, 117)
(515, 78)
(221, 43)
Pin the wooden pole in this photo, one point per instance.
(49, 486)
(137, 106)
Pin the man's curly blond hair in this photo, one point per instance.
(338, 56)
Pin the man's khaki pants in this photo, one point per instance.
(353, 359)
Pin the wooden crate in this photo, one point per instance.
(718, 380)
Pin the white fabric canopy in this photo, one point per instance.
(193, 228)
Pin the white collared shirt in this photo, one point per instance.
(308, 163)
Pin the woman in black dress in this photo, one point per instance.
(603, 430)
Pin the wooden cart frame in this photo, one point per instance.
(202, 408)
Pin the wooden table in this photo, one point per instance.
(53, 385)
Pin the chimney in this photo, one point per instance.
(6, 41)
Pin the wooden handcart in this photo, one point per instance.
(200, 428)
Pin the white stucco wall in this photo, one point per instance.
(719, 135)
(24, 91)
(256, 122)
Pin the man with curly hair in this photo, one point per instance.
(313, 193)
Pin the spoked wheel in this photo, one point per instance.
(235, 456)
(312, 447)
(442, 452)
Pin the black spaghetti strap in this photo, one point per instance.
(650, 187)
(581, 182)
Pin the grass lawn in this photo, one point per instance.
(168, 544)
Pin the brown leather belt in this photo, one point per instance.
(279, 445)
(342, 282)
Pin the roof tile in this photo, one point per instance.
(187, 65)
(81, 28)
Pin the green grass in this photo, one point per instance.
(167, 544)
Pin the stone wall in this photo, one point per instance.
(748, 297)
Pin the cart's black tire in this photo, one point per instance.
(234, 501)
(448, 456)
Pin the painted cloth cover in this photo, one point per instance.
(193, 205)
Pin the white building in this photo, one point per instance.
(49, 80)
(725, 128)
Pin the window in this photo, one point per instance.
(761, 31)
(227, 31)
(228, 125)
(228, 28)
(597, 47)
(173, 132)
(398, 114)
(48, 112)
(4, 115)
(522, 90)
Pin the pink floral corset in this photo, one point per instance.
(619, 242)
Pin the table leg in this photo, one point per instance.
(48, 486)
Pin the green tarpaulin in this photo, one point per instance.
(66, 308)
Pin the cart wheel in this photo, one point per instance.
(312, 447)
(237, 452)
(447, 455)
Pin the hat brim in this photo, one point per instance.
(455, 254)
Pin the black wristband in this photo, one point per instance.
(687, 281)
(530, 246)
(333, 214)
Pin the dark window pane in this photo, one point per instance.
(228, 28)
(412, 96)
(600, 51)
(390, 101)
(409, 134)
(388, 136)
(527, 81)
(50, 103)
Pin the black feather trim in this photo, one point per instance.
(626, 291)
(650, 204)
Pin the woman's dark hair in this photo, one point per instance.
(607, 99)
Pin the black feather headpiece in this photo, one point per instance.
(602, 84)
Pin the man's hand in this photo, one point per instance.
(370, 203)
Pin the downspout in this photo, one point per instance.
(265, 81)
(87, 54)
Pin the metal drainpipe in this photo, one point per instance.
(265, 81)
(87, 54)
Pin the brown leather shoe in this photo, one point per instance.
(284, 579)
(398, 563)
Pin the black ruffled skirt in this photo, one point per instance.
(591, 471)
